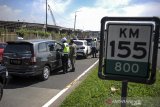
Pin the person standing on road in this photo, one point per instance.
(94, 48)
(72, 54)
(65, 55)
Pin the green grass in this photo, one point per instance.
(94, 92)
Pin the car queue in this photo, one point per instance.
(35, 58)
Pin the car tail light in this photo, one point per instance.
(33, 59)
(1, 57)
(82, 47)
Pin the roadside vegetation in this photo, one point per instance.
(94, 92)
(26, 32)
(38, 33)
(6, 35)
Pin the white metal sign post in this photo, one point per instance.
(128, 51)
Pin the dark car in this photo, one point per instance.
(2, 46)
(3, 79)
(32, 57)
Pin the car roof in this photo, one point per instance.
(32, 41)
(88, 38)
(3, 43)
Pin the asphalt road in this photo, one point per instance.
(31, 92)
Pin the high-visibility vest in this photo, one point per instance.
(94, 44)
(66, 48)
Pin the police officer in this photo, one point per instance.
(94, 48)
(72, 54)
(65, 55)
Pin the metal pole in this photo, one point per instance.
(46, 17)
(124, 93)
(75, 22)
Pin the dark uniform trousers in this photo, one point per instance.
(94, 51)
(65, 63)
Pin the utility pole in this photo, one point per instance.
(75, 21)
(46, 16)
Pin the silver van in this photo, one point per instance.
(32, 57)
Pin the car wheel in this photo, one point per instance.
(1, 90)
(45, 74)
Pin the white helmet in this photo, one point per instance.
(63, 39)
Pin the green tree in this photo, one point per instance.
(25, 32)
(43, 34)
(22, 32)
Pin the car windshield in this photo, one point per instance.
(78, 43)
(18, 48)
(88, 40)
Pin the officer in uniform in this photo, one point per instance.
(94, 48)
(65, 55)
(72, 54)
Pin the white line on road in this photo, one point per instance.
(67, 87)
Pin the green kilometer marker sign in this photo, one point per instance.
(128, 49)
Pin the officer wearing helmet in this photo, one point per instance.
(94, 48)
(72, 55)
(65, 55)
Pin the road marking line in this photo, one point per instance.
(67, 87)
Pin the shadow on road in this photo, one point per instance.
(82, 57)
(20, 82)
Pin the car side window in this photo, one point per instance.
(42, 47)
(58, 47)
(51, 46)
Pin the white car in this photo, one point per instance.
(82, 48)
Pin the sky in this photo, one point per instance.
(88, 12)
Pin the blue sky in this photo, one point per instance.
(89, 12)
